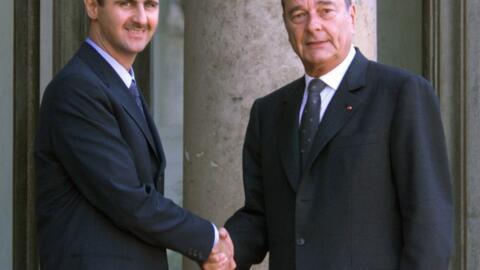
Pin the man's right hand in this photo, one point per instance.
(221, 257)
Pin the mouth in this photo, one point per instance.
(316, 43)
(136, 30)
(137, 33)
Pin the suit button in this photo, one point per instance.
(300, 241)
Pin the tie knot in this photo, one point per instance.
(316, 86)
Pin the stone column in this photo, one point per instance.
(366, 27)
(472, 131)
(235, 52)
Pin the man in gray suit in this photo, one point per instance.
(100, 162)
(345, 167)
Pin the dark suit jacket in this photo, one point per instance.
(375, 191)
(99, 166)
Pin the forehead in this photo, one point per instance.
(288, 4)
(131, 1)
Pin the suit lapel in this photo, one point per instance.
(288, 131)
(117, 88)
(156, 137)
(131, 108)
(342, 107)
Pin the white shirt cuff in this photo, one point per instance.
(216, 235)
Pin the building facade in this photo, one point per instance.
(209, 60)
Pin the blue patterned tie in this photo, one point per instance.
(136, 95)
(310, 118)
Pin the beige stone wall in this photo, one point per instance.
(366, 28)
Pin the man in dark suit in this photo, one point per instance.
(346, 167)
(100, 163)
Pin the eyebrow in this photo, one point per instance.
(325, 2)
(137, 1)
(122, 1)
(318, 2)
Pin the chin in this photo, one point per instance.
(137, 48)
(319, 61)
(319, 56)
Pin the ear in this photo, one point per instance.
(285, 24)
(353, 15)
(284, 17)
(91, 6)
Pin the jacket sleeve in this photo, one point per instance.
(422, 179)
(247, 226)
(86, 138)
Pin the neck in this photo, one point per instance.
(125, 60)
(319, 70)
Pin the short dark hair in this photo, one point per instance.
(100, 2)
(347, 3)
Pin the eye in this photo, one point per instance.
(125, 4)
(327, 12)
(151, 4)
(298, 17)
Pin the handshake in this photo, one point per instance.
(221, 257)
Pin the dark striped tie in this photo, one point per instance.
(136, 95)
(310, 118)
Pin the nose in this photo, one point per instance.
(140, 15)
(314, 22)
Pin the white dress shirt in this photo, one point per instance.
(332, 79)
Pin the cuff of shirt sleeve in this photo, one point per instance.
(216, 235)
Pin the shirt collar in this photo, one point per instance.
(335, 76)
(127, 76)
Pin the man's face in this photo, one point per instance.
(320, 32)
(123, 27)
